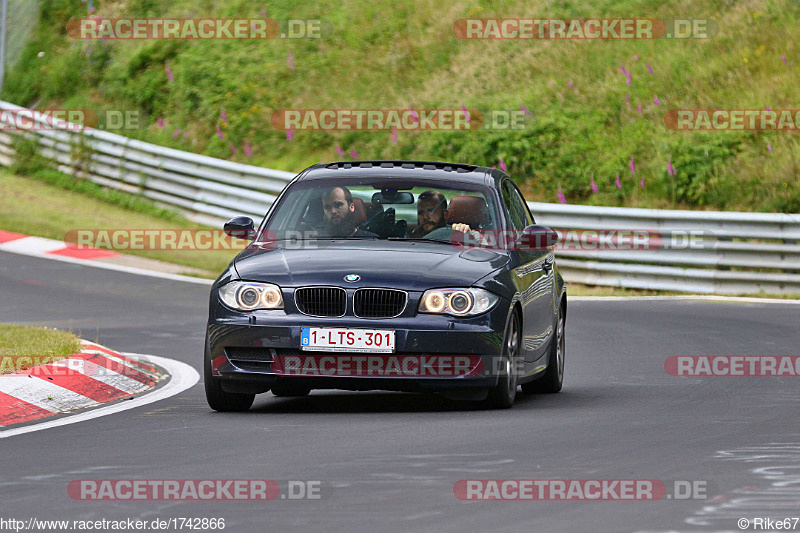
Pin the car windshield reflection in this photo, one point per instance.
(379, 209)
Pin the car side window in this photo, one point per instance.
(517, 210)
(523, 205)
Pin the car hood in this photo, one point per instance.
(406, 265)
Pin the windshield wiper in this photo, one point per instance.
(349, 238)
(416, 239)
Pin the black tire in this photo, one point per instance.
(218, 399)
(553, 378)
(286, 390)
(503, 394)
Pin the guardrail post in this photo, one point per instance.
(3, 38)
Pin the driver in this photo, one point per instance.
(338, 206)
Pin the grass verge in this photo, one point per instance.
(22, 347)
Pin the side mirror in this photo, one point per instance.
(240, 228)
(537, 238)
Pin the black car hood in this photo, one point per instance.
(406, 265)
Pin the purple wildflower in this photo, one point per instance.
(561, 197)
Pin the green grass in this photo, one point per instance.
(23, 346)
(381, 54)
(34, 207)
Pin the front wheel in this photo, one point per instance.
(503, 394)
(222, 401)
(553, 378)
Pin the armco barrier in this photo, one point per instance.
(741, 253)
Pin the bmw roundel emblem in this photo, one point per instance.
(352, 278)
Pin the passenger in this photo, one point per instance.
(431, 207)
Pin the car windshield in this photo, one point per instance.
(379, 208)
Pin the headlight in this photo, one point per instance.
(458, 302)
(248, 296)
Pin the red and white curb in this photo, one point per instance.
(90, 378)
(19, 243)
(52, 249)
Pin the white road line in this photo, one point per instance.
(103, 375)
(43, 393)
(182, 378)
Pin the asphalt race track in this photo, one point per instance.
(388, 462)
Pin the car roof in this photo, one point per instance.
(400, 169)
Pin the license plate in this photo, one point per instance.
(347, 340)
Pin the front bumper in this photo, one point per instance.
(248, 351)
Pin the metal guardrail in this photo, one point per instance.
(739, 253)
(204, 188)
(733, 253)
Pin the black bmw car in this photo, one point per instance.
(389, 275)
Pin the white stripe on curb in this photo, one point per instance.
(103, 375)
(43, 393)
(182, 377)
(32, 246)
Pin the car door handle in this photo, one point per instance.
(547, 266)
